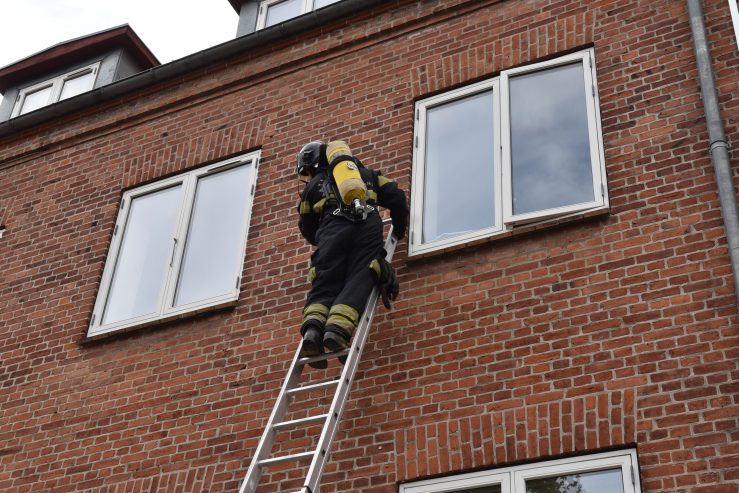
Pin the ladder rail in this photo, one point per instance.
(332, 418)
(315, 472)
(266, 442)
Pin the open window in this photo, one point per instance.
(519, 148)
(178, 246)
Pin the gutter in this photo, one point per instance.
(183, 66)
(719, 146)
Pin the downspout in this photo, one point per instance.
(719, 147)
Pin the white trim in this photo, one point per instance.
(505, 219)
(513, 479)
(166, 309)
(735, 19)
(57, 84)
(419, 167)
(593, 133)
(455, 483)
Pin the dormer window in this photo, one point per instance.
(50, 91)
(273, 12)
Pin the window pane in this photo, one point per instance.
(214, 245)
(550, 146)
(588, 482)
(323, 3)
(283, 11)
(36, 100)
(458, 189)
(77, 85)
(144, 256)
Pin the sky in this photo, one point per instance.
(171, 29)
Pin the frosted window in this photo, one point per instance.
(77, 85)
(550, 143)
(280, 12)
(609, 481)
(37, 99)
(214, 246)
(459, 175)
(144, 256)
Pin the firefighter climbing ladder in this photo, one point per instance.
(292, 386)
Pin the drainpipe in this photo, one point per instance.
(719, 147)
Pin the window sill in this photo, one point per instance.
(104, 334)
(514, 231)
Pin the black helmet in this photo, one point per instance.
(311, 157)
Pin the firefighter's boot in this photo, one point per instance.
(313, 345)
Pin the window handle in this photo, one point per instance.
(174, 249)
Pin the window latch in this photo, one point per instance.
(174, 249)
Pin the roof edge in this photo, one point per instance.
(65, 51)
(182, 66)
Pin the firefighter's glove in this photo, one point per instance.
(389, 287)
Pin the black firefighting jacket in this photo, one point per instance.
(314, 203)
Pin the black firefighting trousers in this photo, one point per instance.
(343, 272)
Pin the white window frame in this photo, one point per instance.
(57, 84)
(167, 309)
(513, 479)
(308, 6)
(502, 158)
(735, 19)
(419, 168)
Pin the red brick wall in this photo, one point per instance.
(614, 331)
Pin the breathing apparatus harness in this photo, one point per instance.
(354, 212)
(343, 185)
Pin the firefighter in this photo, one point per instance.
(350, 257)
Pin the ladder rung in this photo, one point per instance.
(322, 357)
(296, 422)
(286, 458)
(315, 386)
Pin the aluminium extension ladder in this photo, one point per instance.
(331, 419)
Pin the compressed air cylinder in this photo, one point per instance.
(346, 173)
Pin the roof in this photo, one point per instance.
(67, 52)
(236, 4)
(186, 65)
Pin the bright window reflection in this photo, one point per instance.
(213, 246)
(144, 255)
(280, 12)
(77, 85)
(459, 168)
(53, 90)
(36, 100)
(178, 246)
(550, 143)
(274, 12)
(323, 3)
